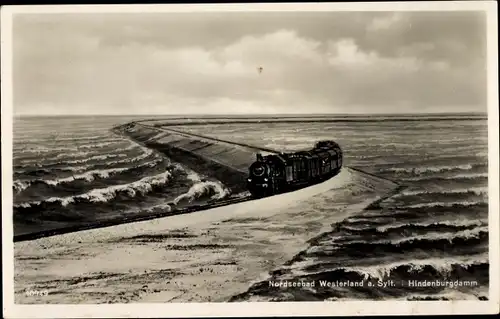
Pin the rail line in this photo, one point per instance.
(214, 139)
(126, 220)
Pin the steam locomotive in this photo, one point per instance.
(283, 172)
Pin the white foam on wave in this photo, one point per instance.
(41, 150)
(382, 271)
(76, 154)
(164, 207)
(100, 145)
(61, 159)
(359, 220)
(19, 185)
(450, 294)
(69, 169)
(444, 204)
(83, 138)
(442, 265)
(95, 150)
(458, 176)
(430, 169)
(434, 236)
(201, 188)
(56, 139)
(142, 186)
(476, 190)
(458, 223)
(146, 153)
(431, 236)
(87, 176)
(94, 158)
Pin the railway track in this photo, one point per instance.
(213, 139)
(127, 219)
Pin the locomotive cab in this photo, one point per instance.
(264, 176)
(258, 182)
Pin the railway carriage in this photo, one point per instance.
(278, 173)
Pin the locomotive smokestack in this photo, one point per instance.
(259, 157)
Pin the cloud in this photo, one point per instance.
(385, 22)
(273, 48)
(357, 63)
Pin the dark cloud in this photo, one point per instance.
(207, 62)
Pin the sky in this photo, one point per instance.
(209, 63)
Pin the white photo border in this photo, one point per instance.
(278, 309)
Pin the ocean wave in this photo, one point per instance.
(463, 204)
(463, 191)
(430, 198)
(451, 182)
(141, 186)
(409, 226)
(430, 169)
(100, 145)
(54, 140)
(424, 160)
(397, 213)
(64, 162)
(367, 219)
(420, 241)
(146, 152)
(81, 138)
(405, 145)
(55, 168)
(96, 158)
(364, 247)
(41, 150)
(470, 272)
(44, 171)
(79, 154)
(37, 150)
(433, 149)
(203, 188)
(451, 294)
(458, 176)
(19, 186)
(87, 176)
(93, 151)
(443, 266)
(160, 207)
(453, 224)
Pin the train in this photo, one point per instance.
(283, 172)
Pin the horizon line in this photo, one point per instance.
(254, 114)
